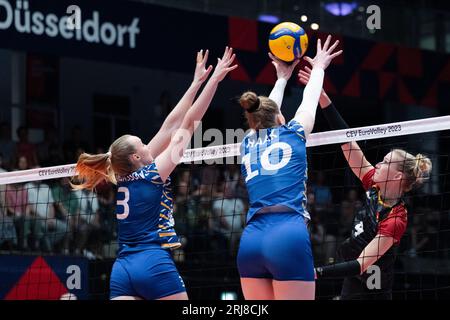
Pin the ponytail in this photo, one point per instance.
(260, 111)
(93, 169)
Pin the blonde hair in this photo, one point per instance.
(260, 111)
(94, 168)
(416, 168)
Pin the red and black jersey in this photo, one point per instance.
(375, 218)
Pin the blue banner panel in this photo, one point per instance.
(43, 277)
(111, 31)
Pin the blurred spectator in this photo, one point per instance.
(16, 200)
(49, 151)
(67, 204)
(25, 148)
(76, 144)
(198, 211)
(322, 193)
(2, 164)
(323, 242)
(22, 163)
(208, 178)
(317, 232)
(424, 234)
(49, 230)
(232, 174)
(241, 192)
(183, 186)
(353, 197)
(228, 217)
(346, 216)
(181, 213)
(311, 203)
(87, 229)
(201, 206)
(7, 146)
(8, 234)
(106, 194)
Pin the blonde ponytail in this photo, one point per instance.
(260, 111)
(93, 169)
(422, 168)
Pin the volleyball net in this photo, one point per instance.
(49, 234)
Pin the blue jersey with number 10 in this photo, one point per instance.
(275, 168)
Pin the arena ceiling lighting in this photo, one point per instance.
(268, 18)
(341, 8)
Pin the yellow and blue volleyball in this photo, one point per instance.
(288, 41)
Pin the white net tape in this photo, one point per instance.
(232, 150)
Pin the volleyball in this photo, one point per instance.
(288, 41)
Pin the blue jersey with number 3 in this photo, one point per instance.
(144, 211)
(275, 168)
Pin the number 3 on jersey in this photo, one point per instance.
(265, 163)
(123, 203)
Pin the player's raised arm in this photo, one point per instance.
(284, 73)
(306, 112)
(170, 157)
(352, 152)
(173, 121)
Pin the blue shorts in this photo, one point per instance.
(150, 274)
(276, 246)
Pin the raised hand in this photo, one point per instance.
(303, 75)
(201, 73)
(284, 70)
(324, 55)
(223, 65)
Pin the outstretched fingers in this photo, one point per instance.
(319, 45)
(335, 44)
(303, 73)
(229, 57)
(273, 58)
(208, 71)
(334, 55)
(231, 68)
(309, 60)
(205, 57)
(327, 43)
(227, 53)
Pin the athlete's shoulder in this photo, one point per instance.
(367, 180)
(149, 173)
(245, 144)
(399, 211)
(295, 127)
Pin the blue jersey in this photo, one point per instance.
(275, 168)
(144, 211)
